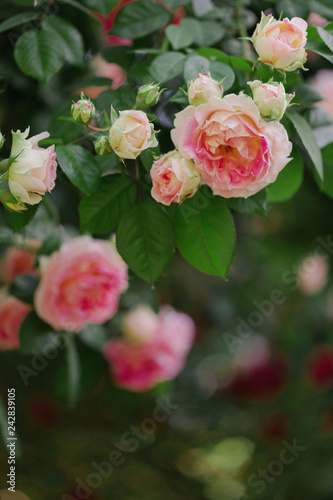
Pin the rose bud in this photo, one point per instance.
(83, 111)
(174, 178)
(281, 43)
(32, 170)
(102, 146)
(148, 95)
(131, 133)
(203, 89)
(271, 98)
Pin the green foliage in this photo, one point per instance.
(17, 20)
(101, 213)
(205, 233)
(140, 19)
(288, 181)
(103, 6)
(167, 66)
(255, 204)
(35, 335)
(146, 240)
(80, 166)
(24, 287)
(308, 139)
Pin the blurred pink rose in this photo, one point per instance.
(104, 69)
(12, 314)
(156, 355)
(281, 43)
(234, 149)
(33, 169)
(174, 178)
(323, 80)
(313, 274)
(80, 284)
(317, 20)
(15, 262)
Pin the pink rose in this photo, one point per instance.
(80, 284)
(32, 170)
(105, 69)
(131, 133)
(151, 358)
(323, 80)
(281, 43)
(234, 149)
(202, 89)
(15, 262)
(317, 20)
(12, 314)
(174, 178)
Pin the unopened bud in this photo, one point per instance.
(102, 146)
(83, 111)
(148, 95)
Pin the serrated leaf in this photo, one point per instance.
(195, 65)
(205, 233)
(80, 167)
(12, 22)
(103, 6)
(255, 204)
(101, 212)
(326, 37)
(308, 139)
(67, 38)
(140, 19)
(18, 221)
(167, 66)
(37, 56)
(221, 71)
(146, 240)
(288, 181)
(178, 36)
(205, 33)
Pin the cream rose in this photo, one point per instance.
(32, 170)
(131, 133)
(174, 178)
(281, 43)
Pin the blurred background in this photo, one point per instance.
(251, 415)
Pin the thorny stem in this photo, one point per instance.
(242, 29)
(96, 129)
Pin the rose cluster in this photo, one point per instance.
(234, 143)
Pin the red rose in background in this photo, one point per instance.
(319, 367)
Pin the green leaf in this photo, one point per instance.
(205, 33)
(80, 166)
(95, 336)
(237, 63)
(80, 7)
(74, 370)
(35, 335)
(103, 6)
(203, 7)
(18, 221)
(288, 181)
(308, 139)
(24, 287)
(327, 184)
(326, 37)
(147, 157)
(140, 19)
(67, 39)
(173, 4)
(195, 65)
(324, 135)
(167, 66)
(101, 212)
(178, 36)
(221, 71)
(37, 56)
(205, 233)
(146, 240)
(12, 22)
(255, 204)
